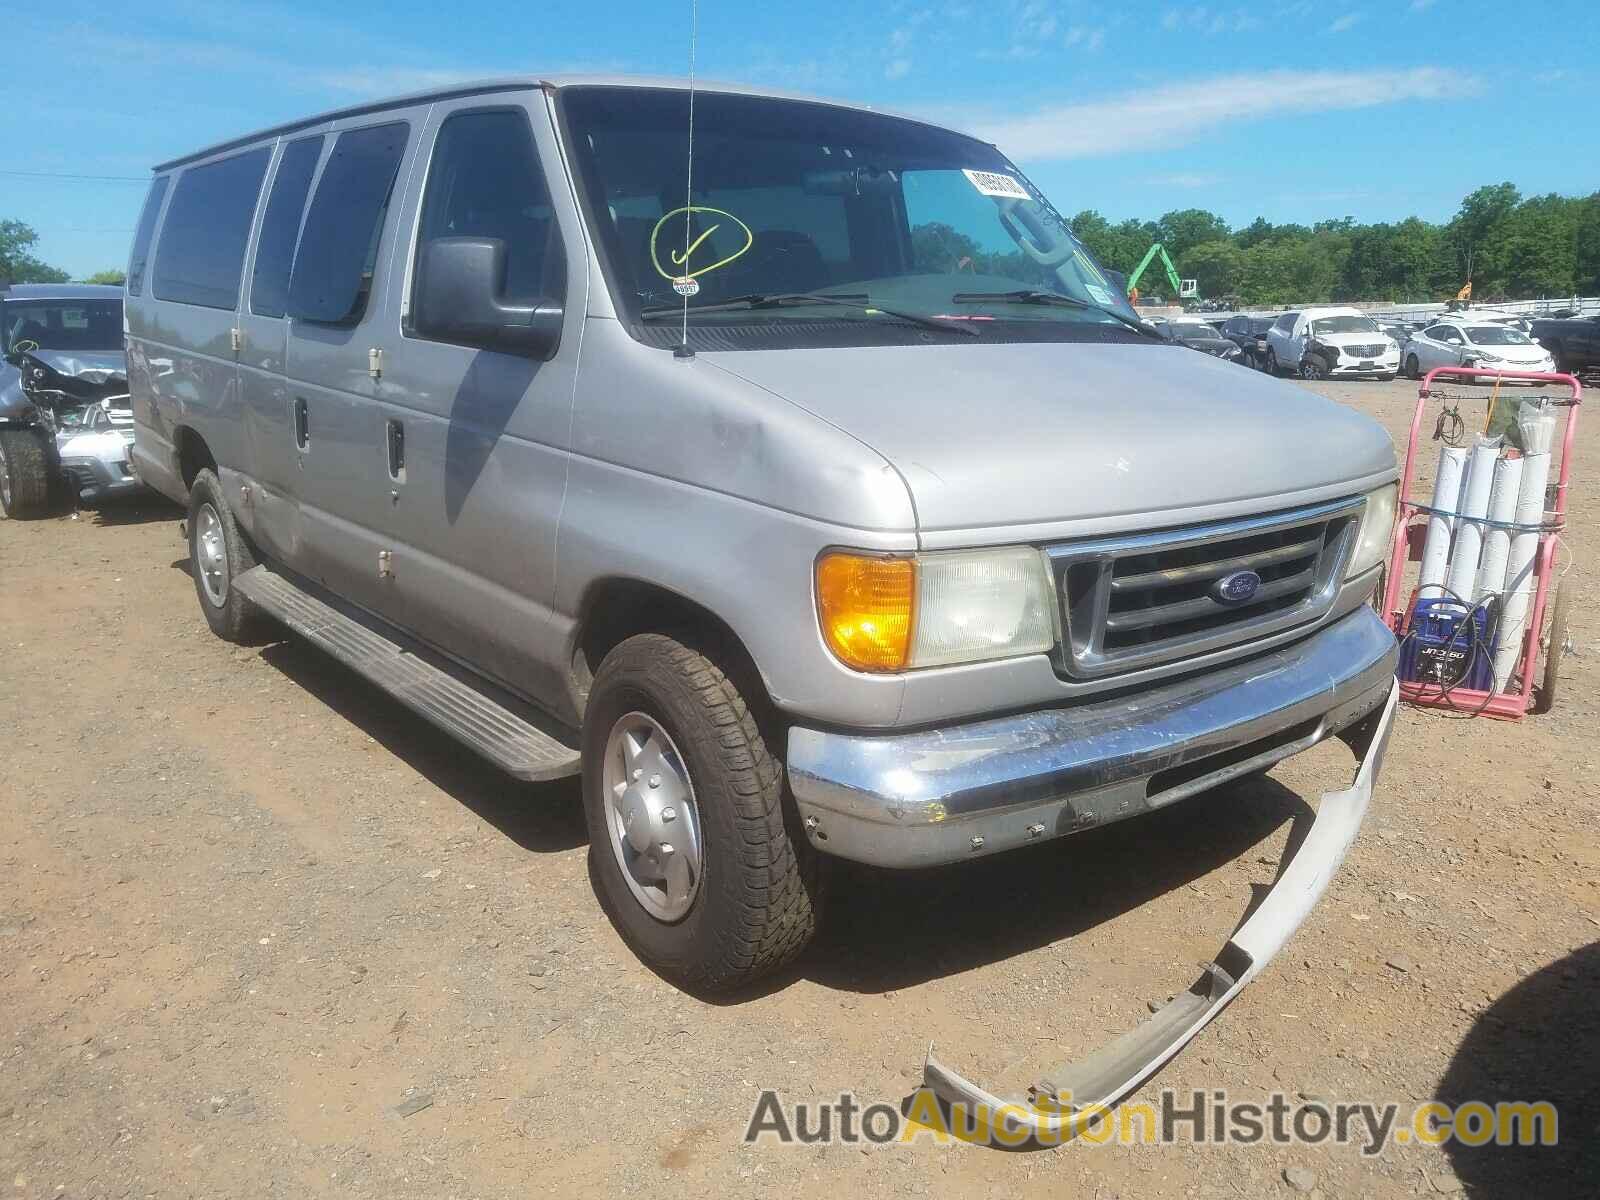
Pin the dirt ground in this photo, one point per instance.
(252, 911)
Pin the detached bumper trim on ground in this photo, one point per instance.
(1111, 1072)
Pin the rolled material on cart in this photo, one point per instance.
(1538, 428)
(1503, 496)
(1442, 522)
(1463, 574)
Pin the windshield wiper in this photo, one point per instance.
(1034, 296)
(778, 299)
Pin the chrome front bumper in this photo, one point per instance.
(943, 795)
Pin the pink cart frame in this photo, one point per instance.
(1508, 705)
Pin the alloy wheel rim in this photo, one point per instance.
(651, 817)
(211, 553)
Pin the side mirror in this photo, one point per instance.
(460, 285)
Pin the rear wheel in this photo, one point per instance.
(219, 554)
(694, 851)
(24, 473)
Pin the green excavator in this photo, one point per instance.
(1183, 289)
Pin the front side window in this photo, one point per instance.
(280, 228)
(485, 182)
(62, 324)
(789, 200)
(201, 254)
(1286, 322)
(338, 253)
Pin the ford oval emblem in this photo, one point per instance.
(1236, 588)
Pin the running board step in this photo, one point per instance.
(507, 732)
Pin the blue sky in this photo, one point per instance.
(1292, 110)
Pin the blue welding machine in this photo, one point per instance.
(1448, 645)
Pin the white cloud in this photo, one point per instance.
(1200, 18)
(1181, 113)
(1188, 180)
(897, 68)
(1345, 23)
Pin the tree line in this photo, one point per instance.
(1509, 246)
(18, 264)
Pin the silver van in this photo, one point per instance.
(813, 494)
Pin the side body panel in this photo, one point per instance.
(471, 520)
(182, 374)
(341, 486)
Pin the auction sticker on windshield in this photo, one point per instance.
(997, 183)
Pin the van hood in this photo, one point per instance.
(1009, 434)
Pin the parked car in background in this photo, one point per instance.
(1573, 342)
(1459, 341)
(1198, 334)
(791, 615)
(66, 423)
(1250, 335)
(1335, 343)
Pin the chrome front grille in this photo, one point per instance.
(1375, 350)
(1136, 601)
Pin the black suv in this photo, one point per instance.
(1250, 335)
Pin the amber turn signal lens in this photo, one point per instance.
(865, 606)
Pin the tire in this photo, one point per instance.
(24, 473)
(1555, 641)
(1413, 367)
(219, 554)
(756, 896)
(1272, 362)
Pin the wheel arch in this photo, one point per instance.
(615, 608)
(192, 453)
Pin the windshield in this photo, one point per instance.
(792, 197)
(1347, 324)
(62, 324)
(1496, 335)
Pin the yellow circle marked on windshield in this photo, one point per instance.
(680, 259)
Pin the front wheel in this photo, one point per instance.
(1272, 362)
(689, 845)
(24, 473)
(1413, 368)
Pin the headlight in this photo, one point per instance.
(931, 610)
(1373, 539)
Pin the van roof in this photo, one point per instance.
(519, 83)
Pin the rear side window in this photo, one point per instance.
(208, 223)
(280, 228)
(485, 182)
(146, 232)
(339, 247)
